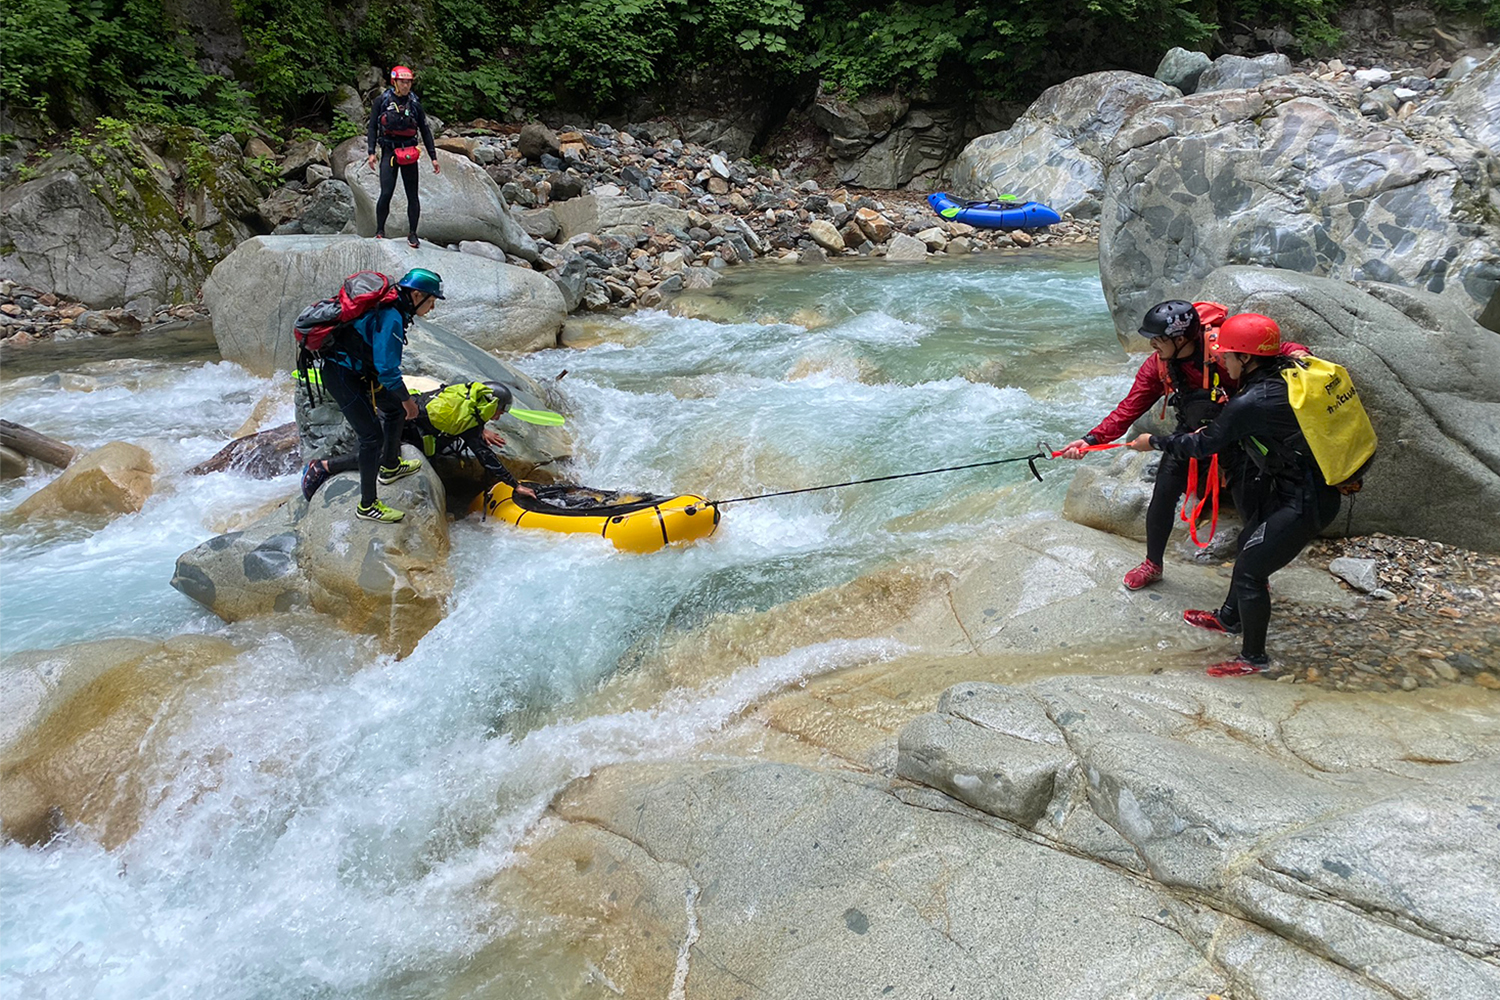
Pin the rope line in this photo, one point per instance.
(1030, 460)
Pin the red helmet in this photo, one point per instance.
(1246, 333)
(401, 73)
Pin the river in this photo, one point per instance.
(324, 820)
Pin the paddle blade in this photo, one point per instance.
(544, 417)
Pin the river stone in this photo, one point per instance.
(787, 868)
(330, 208)
(600, 213)
(826, 235)
(1181, 68)
(1231, 72)
(536, 140)
(539, 222)
(1357, 573)
(493, 305)
(387, 580)
(77, 720)
(572, 280)
(908, 248)
(1058, 150)
(993, 772)
(113, 479)
(1113, 496)
(1425, 373)
(461, 203)
(1227, 178)
(299, 156)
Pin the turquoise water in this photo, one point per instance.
(324, 820)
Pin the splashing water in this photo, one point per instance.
(324, 820)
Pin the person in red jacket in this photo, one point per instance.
(1196, 390)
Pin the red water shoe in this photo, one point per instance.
(1240, 666)
(1210, 621)
(1143, 575)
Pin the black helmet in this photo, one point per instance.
(500, 392)
(1175, 319)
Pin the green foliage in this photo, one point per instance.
(598, 49)
(45, 53)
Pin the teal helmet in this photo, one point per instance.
(419, 279)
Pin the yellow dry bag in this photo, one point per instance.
(1332, 418)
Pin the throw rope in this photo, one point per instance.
(1042, 452)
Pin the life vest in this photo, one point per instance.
(1333, 420)
(1196, 406)
(398, 122)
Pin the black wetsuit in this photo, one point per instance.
(414, 121)
(1290, 503)
(420, 432)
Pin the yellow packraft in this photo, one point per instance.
(1332, 419)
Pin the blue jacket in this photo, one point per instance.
(383, 332)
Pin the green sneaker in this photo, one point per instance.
(378, 511)
(405, 467)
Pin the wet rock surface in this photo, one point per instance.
(386, 580)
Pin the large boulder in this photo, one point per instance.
(1057, 151)
(601, 213)
(255, 294)
(387, 580)
(1288, 175)
(1181, 68)
(113, 479)
(460, 203)
(73, 722)
(1426, 374)
(121, 224)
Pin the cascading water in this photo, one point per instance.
(324, 820)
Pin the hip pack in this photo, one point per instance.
(1333, 420)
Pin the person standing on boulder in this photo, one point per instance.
(395, 123)
(363, 374)
(1297, 502)
(1174, 371)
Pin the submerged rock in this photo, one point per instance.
(113, 479)
(73, 722)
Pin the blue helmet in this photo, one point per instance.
(419, 279)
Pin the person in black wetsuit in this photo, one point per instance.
(478, 440)
(395, 124)
(418, 430)
(1294, 502)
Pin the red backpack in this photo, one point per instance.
(317, 326)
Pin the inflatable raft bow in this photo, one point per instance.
(635, 522)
